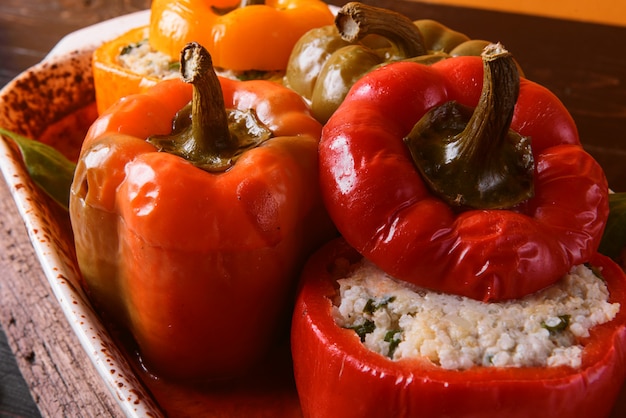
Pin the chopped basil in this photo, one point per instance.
(128, 48)
(557, 326)
(365, 328)
(372, 305)
(596, 271)
(369, 306)
(390, 337)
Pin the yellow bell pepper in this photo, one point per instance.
(252, 35)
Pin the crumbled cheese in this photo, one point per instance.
(543, 329)
(142, 60)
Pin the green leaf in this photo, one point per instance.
(372, 305)
(393, 337)
(47, 167)
(363, 329)
(556, 327)
(614, 238)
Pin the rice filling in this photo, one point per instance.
(141, 59)
(400, 321)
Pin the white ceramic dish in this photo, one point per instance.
(65, 75)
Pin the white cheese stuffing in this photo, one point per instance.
(142, 60)
(398, 320)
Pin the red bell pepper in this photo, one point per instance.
(409, 230)
(193, 241)
(337, 376)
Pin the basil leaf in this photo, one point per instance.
(556, 327)
(614, 238)
(47, 167)
(394, 342)
(365, 328)
(372, 306)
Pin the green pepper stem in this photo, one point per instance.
(209, 120)
(201, 133)
(356, 20)
(205, 133)
(470, 157)
(494, 112)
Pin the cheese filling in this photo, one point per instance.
(399, 321)
(141, 59)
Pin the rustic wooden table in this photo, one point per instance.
(43, 369)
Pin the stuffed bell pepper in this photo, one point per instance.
(194, 206)
(366, 345)
(467, 282)
(326, 61)
(247, 39)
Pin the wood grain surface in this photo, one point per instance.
(60, 377)
(584, 64)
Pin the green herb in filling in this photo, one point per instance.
(393, 337)
(559, 326)
(128, 48)
(365, 328)
(596, 271)
(372, 305)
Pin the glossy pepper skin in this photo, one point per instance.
(367, 172)
(337, 376)
(199, 266)
(326, 61)
(258, 36)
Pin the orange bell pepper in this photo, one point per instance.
(112, 80)
(259, 36)
(193, 241)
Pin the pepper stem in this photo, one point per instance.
(209, 120)
(204, 132)
(356, 20)
(470, 157)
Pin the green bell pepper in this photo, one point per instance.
(326, 61)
